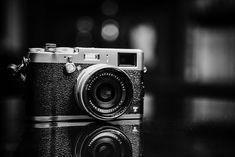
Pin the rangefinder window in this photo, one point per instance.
(91, 56)
(127, 59)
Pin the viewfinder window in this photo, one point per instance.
(127, 59)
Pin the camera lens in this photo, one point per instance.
(104, 91)
(105, 141)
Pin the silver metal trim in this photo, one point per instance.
(77, 124)
(107, 56)
(59, 124)
(79, 117)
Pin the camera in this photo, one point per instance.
(65, 83)
(83, 139)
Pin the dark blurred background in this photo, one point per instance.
(189, 53)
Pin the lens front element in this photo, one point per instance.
(104, 91)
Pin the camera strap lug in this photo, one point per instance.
(145, 69)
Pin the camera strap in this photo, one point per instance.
(19, 71)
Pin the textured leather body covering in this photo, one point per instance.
(50, 90)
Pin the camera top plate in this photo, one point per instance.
(82, 55)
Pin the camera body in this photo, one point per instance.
(83, 139)
(78, 83)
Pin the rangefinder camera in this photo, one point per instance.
(83, 139)
(65, 83)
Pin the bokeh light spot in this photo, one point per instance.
(110, 31)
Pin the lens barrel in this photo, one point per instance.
(105, 92)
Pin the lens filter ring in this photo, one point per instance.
(104, 91)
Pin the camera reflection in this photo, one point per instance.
(82, 139)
